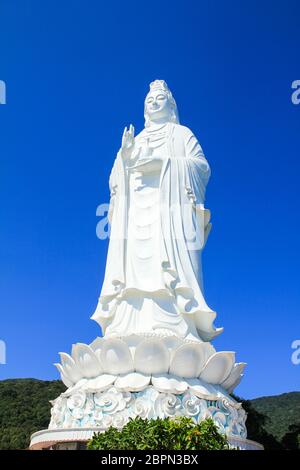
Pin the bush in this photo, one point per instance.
(180, 433)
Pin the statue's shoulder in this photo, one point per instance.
(182, 131)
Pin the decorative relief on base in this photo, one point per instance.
(82, 409)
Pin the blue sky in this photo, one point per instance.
(76, 73)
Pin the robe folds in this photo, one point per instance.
(184, 227)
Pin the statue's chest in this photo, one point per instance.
(155, 145)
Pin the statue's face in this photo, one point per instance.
(157, 105)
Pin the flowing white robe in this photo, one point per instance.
(153, 278)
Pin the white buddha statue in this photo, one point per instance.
(155, 359)
(153, 279)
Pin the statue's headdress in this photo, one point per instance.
(161, 85)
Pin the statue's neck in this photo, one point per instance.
(158, 121)
(157, 127)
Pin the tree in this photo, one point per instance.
(291, 440)
(180, 433)
(255, 424)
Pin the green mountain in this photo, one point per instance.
(282, 411)
(25, 409)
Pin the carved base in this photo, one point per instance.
(113, 407)
(85, 411)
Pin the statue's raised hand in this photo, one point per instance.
(127, 142)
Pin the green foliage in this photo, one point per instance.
(281, 411)
(25, 409)
(179, 433)
(291, 440)
(256, 427)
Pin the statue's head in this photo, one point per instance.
(160, 105)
